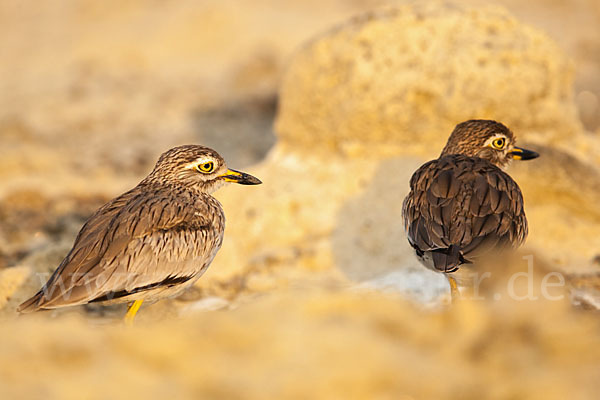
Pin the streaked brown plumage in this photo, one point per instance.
(151, 242)
(462, 204)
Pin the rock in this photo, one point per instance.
(289, 219)
(398, 80)
(362, 106)
(206, 304)
(561, 194)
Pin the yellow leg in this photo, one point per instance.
(454, 292)
(132, 310)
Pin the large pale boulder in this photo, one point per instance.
(562, 194)
(362, 106)
(397, 80)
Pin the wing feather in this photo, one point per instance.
(464, 202)
(123, 247)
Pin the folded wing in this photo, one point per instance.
(127, 247)
(462, 203)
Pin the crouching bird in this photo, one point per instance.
(151, 242)
(462, 205)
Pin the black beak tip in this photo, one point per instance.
(529, 155)
(242, 178)
(524, 154)
(250, 180)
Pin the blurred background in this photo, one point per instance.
(333, 104)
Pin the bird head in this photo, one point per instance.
(486, 139)
(197, 167)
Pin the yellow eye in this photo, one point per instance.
(499, 143)
(206, 168)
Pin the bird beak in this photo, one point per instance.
(240, 177)
(518, 153)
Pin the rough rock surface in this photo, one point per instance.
(336, 179)
(399, 79)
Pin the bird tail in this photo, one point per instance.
(448, 259)
(31, 305)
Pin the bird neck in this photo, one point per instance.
(489, 156)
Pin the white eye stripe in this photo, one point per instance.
(200, 161)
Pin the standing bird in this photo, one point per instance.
(151, 242)
(462, 205)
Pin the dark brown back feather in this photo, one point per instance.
(464, 203)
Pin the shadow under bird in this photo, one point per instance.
(151, 242)
(463, 205)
